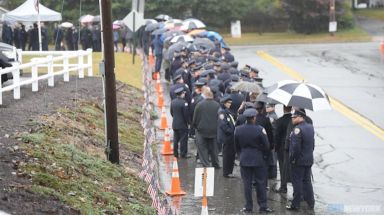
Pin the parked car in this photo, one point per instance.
(7, 57)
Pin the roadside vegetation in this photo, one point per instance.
(372, 13)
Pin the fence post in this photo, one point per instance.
(35, 83)
(65, 68)
(19, 55)
(81, 64)
(51, 78)
(16, 81)
(90, 63)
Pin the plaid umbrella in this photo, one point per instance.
(302, 95)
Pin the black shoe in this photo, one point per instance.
(266, 210)
(229, 176)
(244, 210)
(292, 208)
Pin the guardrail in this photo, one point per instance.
(55, 63)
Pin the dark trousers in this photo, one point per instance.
(286, 170)
(159, 59)
(302, 185)
(280, 159)
(207, 147)
(180, 135)
(228, 157)
(259, 176)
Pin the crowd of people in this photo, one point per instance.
(63, 38)
(225, 121)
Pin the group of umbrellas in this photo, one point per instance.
(177, 34)
(290, 93)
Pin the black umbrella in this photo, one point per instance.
(159, 31)
(203, 43)
(153, 26)
(174, 48)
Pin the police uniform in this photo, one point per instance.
(301, 159)
(252, 145)
(225, 137)
(180, 114)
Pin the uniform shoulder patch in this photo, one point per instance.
(221, 116)
(297, 131)
(264, 131)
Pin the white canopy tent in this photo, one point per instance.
(29, 12)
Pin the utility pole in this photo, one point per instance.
(332, 16)
(112, 150)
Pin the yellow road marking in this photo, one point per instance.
(337, 105)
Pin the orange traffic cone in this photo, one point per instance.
(158, 85)
(175, 184)
(163, 120)
(151, 60)
(160, 100)
(167, 150)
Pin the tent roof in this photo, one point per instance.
(27, 13)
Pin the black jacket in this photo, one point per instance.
(180, 113)
(251, 144)
(205, 118)
(226, 129)
(281, 130)
(302, 145)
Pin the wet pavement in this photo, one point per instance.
(348, 171)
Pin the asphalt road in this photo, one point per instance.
(348, 170)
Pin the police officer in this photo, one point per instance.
(252, 145)
(301, 159)
(225, 136)
(179, 82)
(180, 114)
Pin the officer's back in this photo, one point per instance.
(252, 144)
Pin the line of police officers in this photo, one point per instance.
(228, 122)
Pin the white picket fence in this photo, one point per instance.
(53, 62)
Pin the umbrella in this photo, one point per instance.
(163, 17)
(149, 21)
(182, 38)
(159, 31)
(171, 34)
(196, 32)
(173, 48)
(190, 24)
(66, 25)
(96, 18)
(86, 18)
(153, 26)
(203, 43)
(252, 87)
(279, 84)
(173, 23)
(302, 95)
(118, 22)
(264, 98)
(115, 27)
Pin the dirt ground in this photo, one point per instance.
(14, 115)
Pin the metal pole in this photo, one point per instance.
(110, 83)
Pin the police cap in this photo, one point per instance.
(250, 112)
(225, 99)
(177, 77)
(179, 90)
(300, 112)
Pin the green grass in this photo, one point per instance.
(373, 13)
(67, 161)
(125, 71)
(352, 35)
